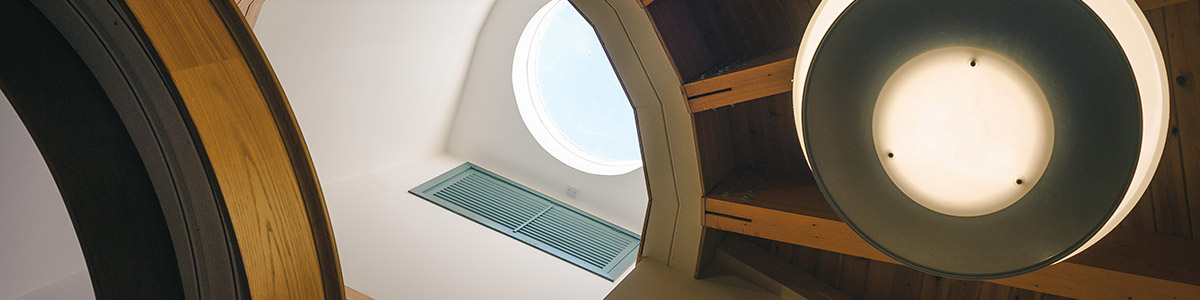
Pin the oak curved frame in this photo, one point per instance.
(174, 147)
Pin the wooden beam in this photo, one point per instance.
(771, 74)
(1125, 264)
(352, 294)
(1152, 4)
(761, 77)
(749, 260)
(794, 228)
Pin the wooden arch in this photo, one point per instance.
(173, 146)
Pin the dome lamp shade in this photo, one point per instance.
(981, 139)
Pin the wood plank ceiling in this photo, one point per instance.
(736, 58)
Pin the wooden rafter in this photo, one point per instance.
(764, 76)
(352, 294)
(771, 74)
(1152, 255)
(1127, 264)
(1153, 4)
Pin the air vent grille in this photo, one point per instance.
(531, 217)
(589, 240)
(491, 199)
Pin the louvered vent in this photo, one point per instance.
(586, 239)
(490, 198)
(531, 217)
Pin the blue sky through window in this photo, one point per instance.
(580, 90)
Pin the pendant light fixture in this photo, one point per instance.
(981, 139)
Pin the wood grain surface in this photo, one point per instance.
(719, 47)
(256, 152)
(723, 75)
(1109, 271)
(352, 294)
(250, 9)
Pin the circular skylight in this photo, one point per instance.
(569, 95)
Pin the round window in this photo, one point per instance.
(569, 96)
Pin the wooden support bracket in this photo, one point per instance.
(771, 74)
(764, 76)
(1116, 268)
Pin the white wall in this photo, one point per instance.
(488, 129)
(375, 86)
(373, 83)
(75, 287)
(37, 242)
(394, 245)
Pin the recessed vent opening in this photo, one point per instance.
(531, 217)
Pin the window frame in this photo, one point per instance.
(533, 109)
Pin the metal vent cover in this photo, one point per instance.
(533, 218)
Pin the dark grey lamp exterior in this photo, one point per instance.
(1091, 91)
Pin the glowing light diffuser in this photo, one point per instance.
(981, 139)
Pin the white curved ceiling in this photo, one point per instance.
(373, 83)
